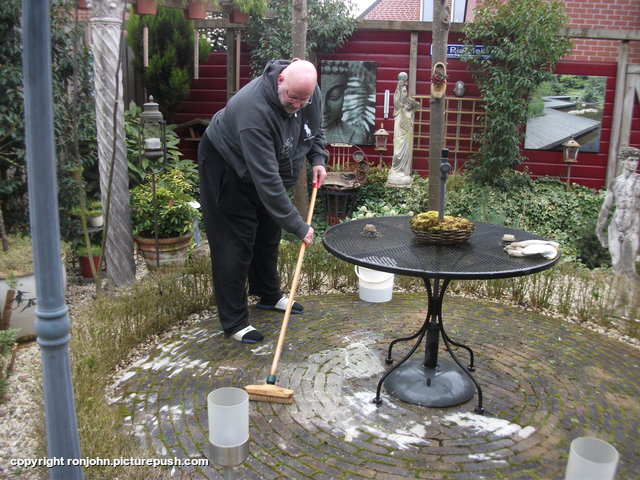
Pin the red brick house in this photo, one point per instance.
(584, 14)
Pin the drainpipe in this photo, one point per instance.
(52, 320)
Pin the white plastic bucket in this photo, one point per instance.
(374, 286)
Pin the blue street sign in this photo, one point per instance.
(455, 50)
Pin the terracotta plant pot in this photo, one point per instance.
(22, 297)
(172, 251)
(146, 7)
(196, 9)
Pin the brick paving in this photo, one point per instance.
(545, 382)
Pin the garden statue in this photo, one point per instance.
(404, 110)
(623, 234)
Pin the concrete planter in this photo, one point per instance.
(19, 302)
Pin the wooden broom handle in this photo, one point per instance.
(294, 286)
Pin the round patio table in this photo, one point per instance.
(387, 244)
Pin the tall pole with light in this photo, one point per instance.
(569, 156)
(153, 134)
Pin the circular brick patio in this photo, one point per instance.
(545, 382)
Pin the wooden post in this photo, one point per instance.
(441, 22)
(614, 142)
(299, 25)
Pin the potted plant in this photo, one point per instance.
(85, 258)
(197, 9)
(239, 10)
(146, 7)
(93, 213)
(163, 227)
(438, 80)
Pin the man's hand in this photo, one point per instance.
(319, 174)
(308, 238)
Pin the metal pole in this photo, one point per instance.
(445, 168)
(52, 320)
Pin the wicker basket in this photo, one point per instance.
(444, 237)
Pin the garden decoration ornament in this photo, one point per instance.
(153, 133)
(623, 233)
(438, 80)
(404, 110)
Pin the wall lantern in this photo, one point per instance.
(381, 136)
(570, 155)
(459, 89)
(153, 138)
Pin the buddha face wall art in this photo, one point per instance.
(349, 101)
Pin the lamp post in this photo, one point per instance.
(570, 155)
(381, 136)
(153, 133)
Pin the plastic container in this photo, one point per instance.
(374, 286)
(591, 459)
(228, 411)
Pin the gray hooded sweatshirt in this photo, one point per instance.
(267, 146)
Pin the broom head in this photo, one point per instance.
(269, 393)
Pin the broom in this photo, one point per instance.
(270, 392)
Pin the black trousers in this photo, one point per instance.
(243, 238)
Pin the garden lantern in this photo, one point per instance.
(570, 155)
(381, 136)
(153, 136)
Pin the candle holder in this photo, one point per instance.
(228, 413)
(153, 136)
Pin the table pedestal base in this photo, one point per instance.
(443, 386)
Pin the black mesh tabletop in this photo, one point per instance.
(394, 248)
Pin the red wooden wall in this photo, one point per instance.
(390, 49)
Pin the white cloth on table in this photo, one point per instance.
(547, 248)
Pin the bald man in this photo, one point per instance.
(251, 154)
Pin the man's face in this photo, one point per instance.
(292, 101)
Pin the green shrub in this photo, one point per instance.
(168, 75)
(7, 341)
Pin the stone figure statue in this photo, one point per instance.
(404, 110)
(623, 233)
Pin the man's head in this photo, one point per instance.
(296, 84)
